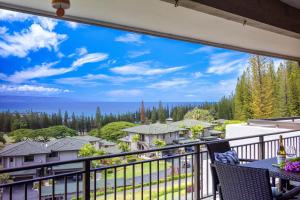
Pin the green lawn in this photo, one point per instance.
(146, 193)
(138, 170)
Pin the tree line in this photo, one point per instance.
(11, 121)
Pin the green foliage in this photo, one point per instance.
(22, 134)
(124, 147)
(263, 92)
(89, 150)
(196, 131)
(153, 116)
(98, 117)
(44, 134)
(161, 113)
(159, 143)
(136, 138)
(112, 131)
(220, 128)
(199, 114)
(225, 107)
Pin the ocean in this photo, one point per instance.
(53, 104)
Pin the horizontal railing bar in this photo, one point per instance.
(134, 152)
(42, 178)
(143, 161)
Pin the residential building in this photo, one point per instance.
(149, 133)
(28, 152)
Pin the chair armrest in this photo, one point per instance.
(290, 194)
(247, 160)
(212, 165)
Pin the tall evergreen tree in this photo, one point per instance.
(66, 118)
(142, 111)
(98, 118)
(153, 115)
(161, 113)
(293, 80)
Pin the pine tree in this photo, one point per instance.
(293, 88)
(74, 122)
(66, 118)
(142, 111)
(282, 92)
(98, 118)
(153, 115)
(161, 113)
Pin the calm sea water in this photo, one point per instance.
(52, 104)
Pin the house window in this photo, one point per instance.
(11, 159)
(53, 155)
(29, 158)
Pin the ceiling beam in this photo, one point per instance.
(271, 15)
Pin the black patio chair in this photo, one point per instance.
(218, 147)
(238, 183)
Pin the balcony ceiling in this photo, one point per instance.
(163, 19)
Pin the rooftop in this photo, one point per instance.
(188, 123)
(154, 129)
(24, 148)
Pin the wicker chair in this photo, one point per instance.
(238, 183)
(218, 147)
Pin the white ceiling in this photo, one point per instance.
(160, 17)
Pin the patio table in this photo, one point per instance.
(275, 172)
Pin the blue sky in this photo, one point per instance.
(45, 57)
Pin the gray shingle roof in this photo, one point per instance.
(66, 144)
(154, 129)
(107, 143)
(24, 148)
(88, 138)
(188, 123)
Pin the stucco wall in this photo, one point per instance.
(68, 155)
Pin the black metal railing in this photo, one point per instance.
(182, 174)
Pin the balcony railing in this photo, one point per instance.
(182, 174)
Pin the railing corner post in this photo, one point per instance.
(86, 181)
(196, 172)
(261, 152)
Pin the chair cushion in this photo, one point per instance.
(228, 157)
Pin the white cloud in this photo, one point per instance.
(143, 69)
(174, 83)
(60, 55)
(3, 30)
(81, 51)
(31, 89)
(197, 74)
(225, 63)
(135, 54)
(32, 39)
(72, 25)
(124, 93)
(95, 79)
(206, 49)
(130, 38)
(90, 58)
(47, 23)
(39, 71)
(11, 16)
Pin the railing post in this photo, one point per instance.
(86, 181)
(197, 175)
(261, 148)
